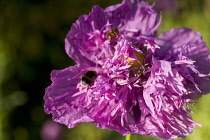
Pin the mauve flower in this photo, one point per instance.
(52, 131)
(143, 85)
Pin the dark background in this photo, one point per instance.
(32, 34)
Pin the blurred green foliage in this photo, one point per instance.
(32, 36)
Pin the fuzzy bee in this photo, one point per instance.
(87, 79)
(112, 33)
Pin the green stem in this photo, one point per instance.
(128, 137)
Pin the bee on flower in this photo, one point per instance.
(88, 78)
(112, 33)
(145, 82)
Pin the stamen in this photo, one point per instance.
(136, 72)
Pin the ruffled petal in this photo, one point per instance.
(186, 45)
(141, 85)
(84, 42)
(174, 40)
(87, 37)
(165, 97)
(139, 18)
(60, 100)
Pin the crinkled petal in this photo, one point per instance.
(59, 99)
(141, 85)
(174, 40)
(83, 40)
(86, 39)
(189, 44)
(164, 94)
(133, 13)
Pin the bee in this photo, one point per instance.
(112, 33)
(87, 79)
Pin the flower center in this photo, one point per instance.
(138, 68)
(139, 63)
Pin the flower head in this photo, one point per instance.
(140, 84)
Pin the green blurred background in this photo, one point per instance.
(32, 36)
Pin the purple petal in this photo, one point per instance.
(175, 40)
(86, 39)
(133, 13)
(59, 99)
(142, 85)
(187, 44)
